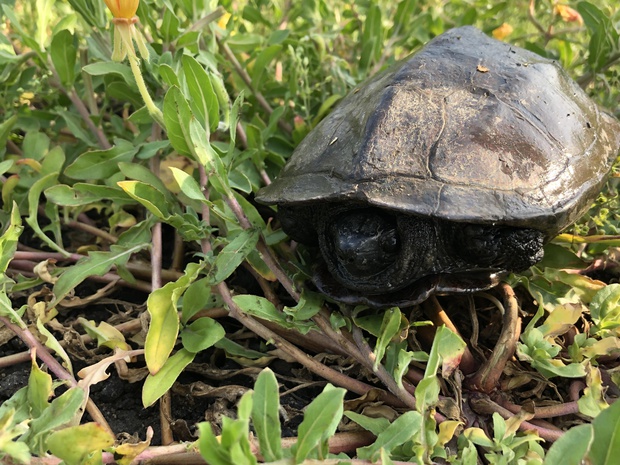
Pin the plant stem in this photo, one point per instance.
(126, 31)
(486, 379)
(54, 366)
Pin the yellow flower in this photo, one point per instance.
(567, 13)
(125, 9)
(502, 32)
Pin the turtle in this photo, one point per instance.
(444, 173)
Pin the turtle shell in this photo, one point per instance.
(468, 129)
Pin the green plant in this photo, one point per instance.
(104, 163)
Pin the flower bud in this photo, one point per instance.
(568, 14)
(125, 9)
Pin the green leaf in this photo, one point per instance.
(390, 327)
(262, 62)
(540, 353)
(210, 448)
(63, 53)
(234, 350)
(400, 431)
(54, 345)
(164, 326)
(170, 26)
(203, 100)
(156, 385)
(224, 103)
(478, 437)
(205, 154)
(235, 434)
(98, 263)
(604, 38)
(310, 303)
(111, 67)
(5, 131)
(168, 75)
(16, 407)
(188, 184)
(605, 448)
(605, 308)
(33, 209)
(74, 444)
(375, 425)
(105, 334)
(385, 458)
(448, 347)
(101, 164)
(39, 390)
(177, 115)
(233, 255)
(6, 309)
(571, 448)
(592, 402)
(560, 320)
(201, 334)
(11, 429)
(320, 421)
(42, 19)
(260, 307)
(62, 411)
(559, 257)
(196, 297)
(403, 360)
(153, 199)
(372, 37)
(16, 24)
(76, 125)
(141, 173)
(92, 12)
(266, 416)
(8, 240)
(244, 42)
(86, 194)
(427, 393)
(37, 146)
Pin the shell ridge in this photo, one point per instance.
(433, 151)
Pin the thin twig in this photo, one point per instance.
(93, 230)
(487, 406)
(380, 370)
(301, 357)
(25, 267)
(21, 357)
(264, 250)
(486, 379)
(547, 411)
(87, 79)
(54, 366)
(83, 111)
(531, 14)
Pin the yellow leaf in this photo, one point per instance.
(447, 430)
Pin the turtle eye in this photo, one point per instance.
(389, 241)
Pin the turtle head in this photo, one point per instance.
(364, 243)
(366, 250)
